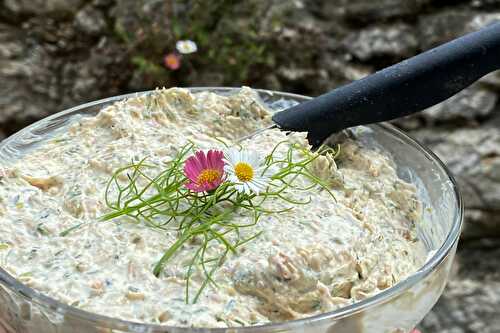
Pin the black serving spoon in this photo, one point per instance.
(402, 89)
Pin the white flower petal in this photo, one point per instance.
(254, 159)
(259, 182)
(261, 185)
(260, 179)
(229, 156)
(242, 187)
(254, 187)
(235, 153)
(242, 157)
(248, 189)
(233, 179)
(186, 46)
(239, 187)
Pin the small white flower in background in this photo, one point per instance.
(186, 46)
(245, 169)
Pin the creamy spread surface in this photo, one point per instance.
(312, 259)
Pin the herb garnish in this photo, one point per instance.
(199, 204)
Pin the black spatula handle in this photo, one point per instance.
(407, 87)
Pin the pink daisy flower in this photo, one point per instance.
(172, 61)
(205, 172)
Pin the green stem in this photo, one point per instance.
(125, 211)
(170, 252)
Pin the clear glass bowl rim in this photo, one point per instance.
(437, 258)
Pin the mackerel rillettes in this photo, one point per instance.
(315, 258)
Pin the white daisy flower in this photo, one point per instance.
(245, 169)
(186, 46)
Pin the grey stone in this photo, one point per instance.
(485, 4)
(98, 75)
(394, 41)
(347, 70)
(41, 7)
(481, 223)
(470, 301)
(40, 74)
(10, 44)
(473, 156)
(492, 80)
(90, 21)
(20, 66)
(468, 108)
(102, 3)
(368, 11)
(408, 123)
(441, 27)
(482, 20)
(135, 20)
(473, 103)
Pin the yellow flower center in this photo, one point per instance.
(208, 176)
(243, 171)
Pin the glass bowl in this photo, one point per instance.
(396, 309)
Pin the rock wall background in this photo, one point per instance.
(59, 53)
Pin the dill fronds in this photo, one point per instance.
(159, 199)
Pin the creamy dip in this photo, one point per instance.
(313, 259)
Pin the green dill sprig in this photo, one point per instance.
(158, 198)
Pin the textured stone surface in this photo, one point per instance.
(470, 303)
(90, 21)
(42, 7)
(394, 41)
(47, 65)
(474, 103)
(368, 11)
(492, 80)
(59, 53)
(485, 4)
(473, 155)
(445, 25)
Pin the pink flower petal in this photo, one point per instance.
(215, 159)
(200, 162)
(188, 170)
(191, 176)
(194, 187)
(195, 163)
(172, 61)
(191, 170)
(211, 159)
(207, 159)
(194, 168)
(220, 160)
(203, 159)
